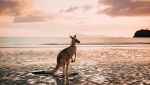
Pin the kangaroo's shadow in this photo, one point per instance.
(42, 73)
(58, 78)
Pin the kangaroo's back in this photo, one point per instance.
(64, 56)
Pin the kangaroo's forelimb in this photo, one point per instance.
(73, 60)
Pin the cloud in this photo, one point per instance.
(126, 7)
(87, 7)
(70, 9)
(36, 16)
(14, 7)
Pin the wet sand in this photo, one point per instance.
(94, 66)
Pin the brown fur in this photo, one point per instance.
(65, 56)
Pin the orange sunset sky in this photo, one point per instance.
(56, 18)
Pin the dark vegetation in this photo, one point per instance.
(142, 33)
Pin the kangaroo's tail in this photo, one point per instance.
(55, 69)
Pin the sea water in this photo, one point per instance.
(65, 41)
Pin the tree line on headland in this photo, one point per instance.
(142, 33)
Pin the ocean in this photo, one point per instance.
(63, 41)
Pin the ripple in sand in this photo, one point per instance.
(16, 78)
(31, 81)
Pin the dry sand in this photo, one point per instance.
(94, 66)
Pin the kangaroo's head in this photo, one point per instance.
(74, 39)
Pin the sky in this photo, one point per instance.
(60, 18)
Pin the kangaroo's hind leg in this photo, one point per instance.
(64, 74)
(67, 65)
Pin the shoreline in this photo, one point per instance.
(58, 46)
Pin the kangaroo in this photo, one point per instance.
(65, 57)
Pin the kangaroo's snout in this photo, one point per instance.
(77, 41)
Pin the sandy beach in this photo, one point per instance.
(93, 66)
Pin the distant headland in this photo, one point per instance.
(142, 33)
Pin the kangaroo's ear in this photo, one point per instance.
(74, 36)
(71, 37)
